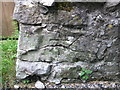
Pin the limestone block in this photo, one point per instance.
(25, 68)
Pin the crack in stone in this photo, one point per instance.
(73, 41)
(75, 26)
(60, 45)
(39, 24)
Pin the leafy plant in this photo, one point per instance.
(84, 74)
(65, 6)
(26, 81)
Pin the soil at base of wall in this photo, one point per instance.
(90, 85)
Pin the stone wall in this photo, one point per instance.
(56, 42)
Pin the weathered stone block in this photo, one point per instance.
(25, 69)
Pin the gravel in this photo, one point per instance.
(99, 85)
(90, 85)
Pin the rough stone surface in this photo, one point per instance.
(25, 69)
(56, 42)
(16, 86)
(39, 85)
(112, 3)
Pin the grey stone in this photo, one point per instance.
(29, 13)
(101, 51)
(25, 68)
(47, 3)
(110, 67)
(62, 86)
(39, 85)
(66, 70)
(16, 86)
(29, 39)
(111, 3)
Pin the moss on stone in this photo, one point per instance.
(67, 6)
(72, 73)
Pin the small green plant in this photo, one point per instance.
(26, 81)
(84, 74)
